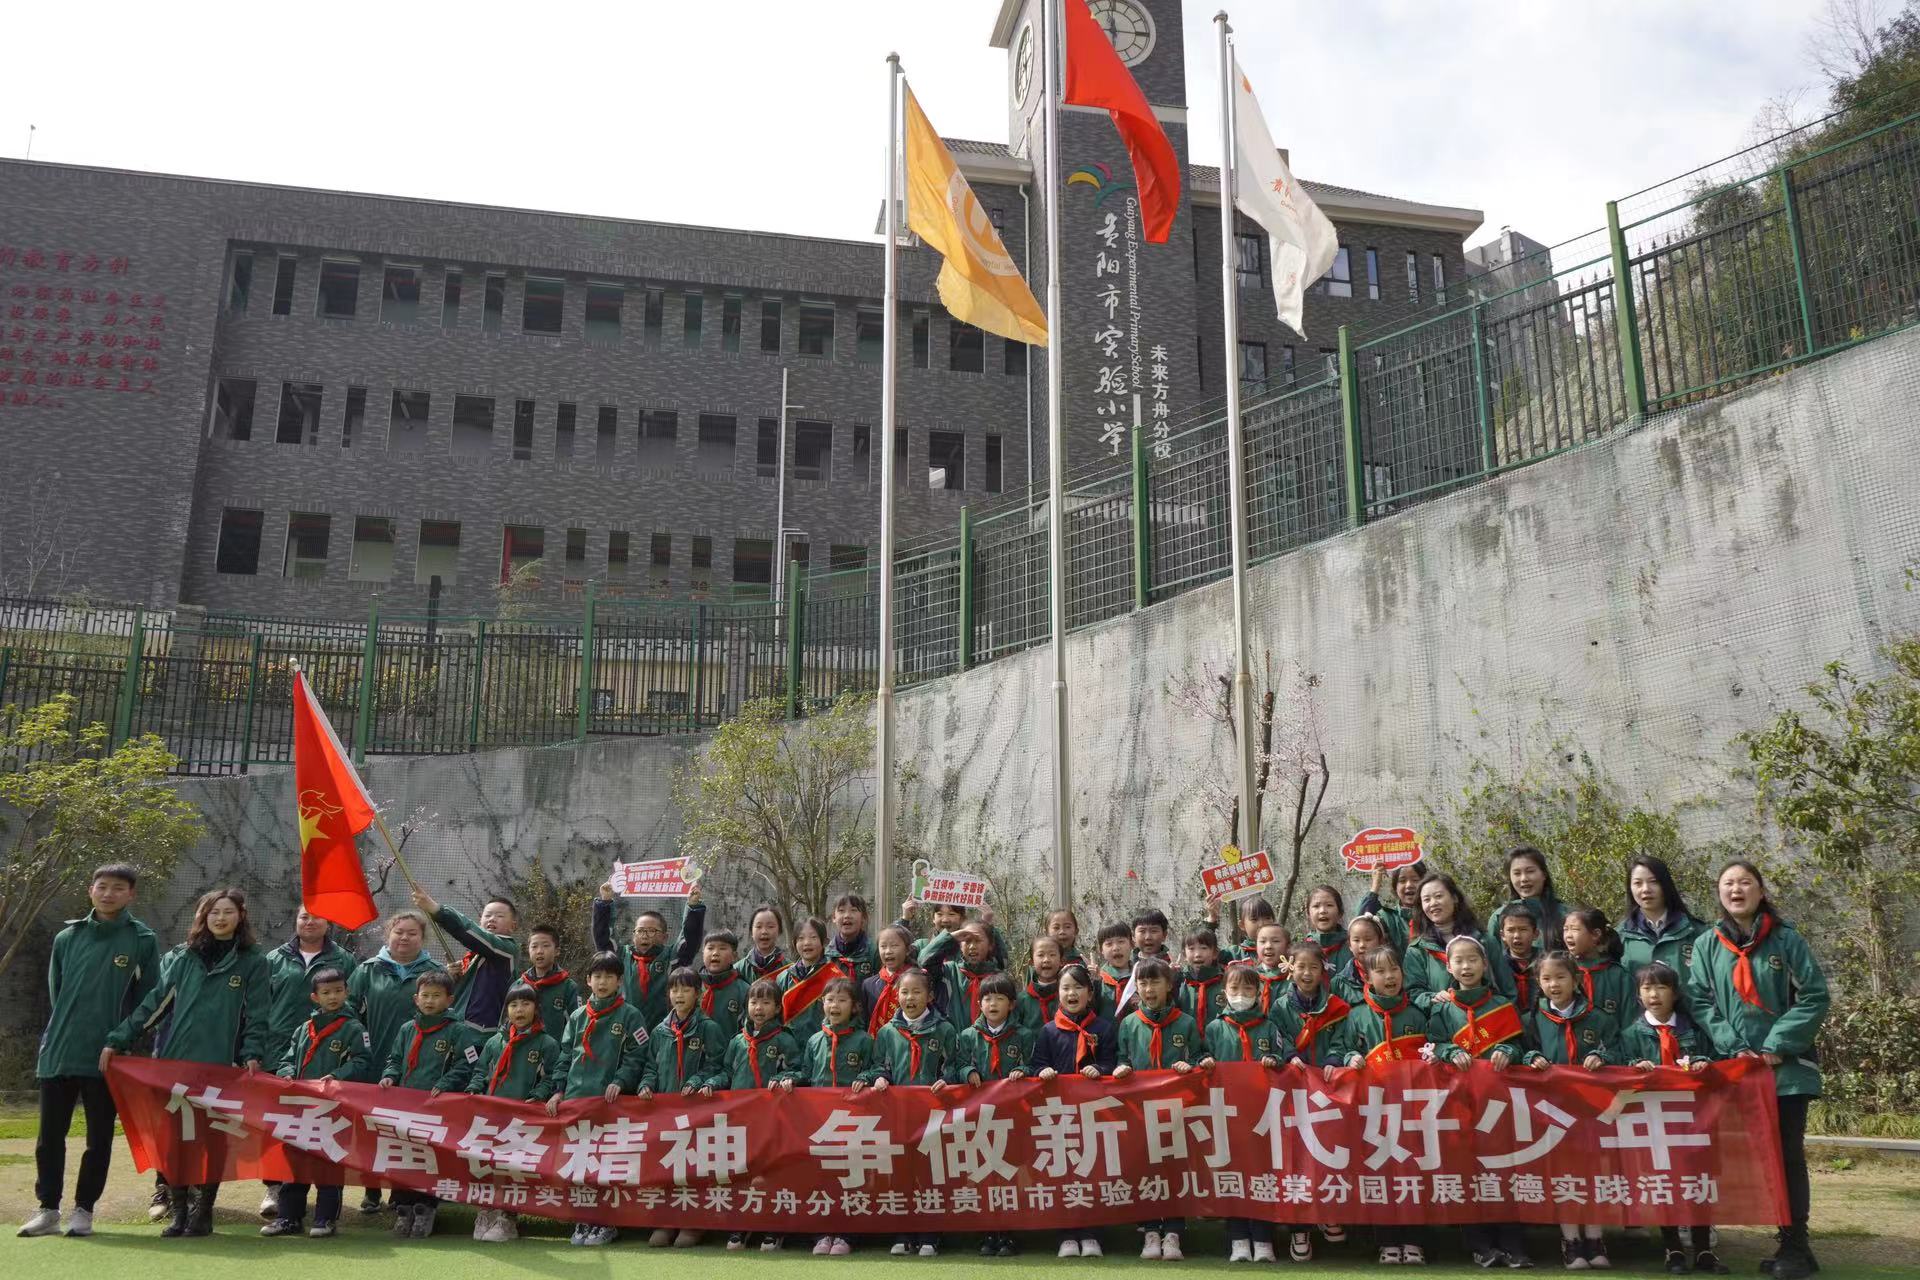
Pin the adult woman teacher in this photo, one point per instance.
(1657, 924)
(380, 992)
(1758, 991)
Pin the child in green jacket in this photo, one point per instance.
(436, 1052)
(1445, 914)
(1365, 934)
(723, 992)
(1596, 948)
(997, 1047)
(1399, 909)
(683, 1053)
(1568, 1031)
(763, 1056)
(645, 961)
(482, 974)
(1243, 1034)
(1270, 947)
(601, 1056)
(841, 1055)
(329, 1045)
(766, 928)
(1203, 990)
(962, 979)
(520, 1061)
(1327, 924)
(803, 983)
(852, 945)
(1157, 1036)
(1311, 1016)
(558, 993)
(919, 1047)
(1039, 996)
(1662, 1035)
(1116, 969)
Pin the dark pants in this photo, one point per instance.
(1164, 1225)
(293, 1202)
(1793, 1151)
(1488, 1237)
(404, 1199)
(1252, 1230)
(57, 1097)
(1670, 1239)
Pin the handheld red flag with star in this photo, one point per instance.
(1095, 77)
(332, 809)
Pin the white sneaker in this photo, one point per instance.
(1242, 1251)
(929, 1251)
(43, 1223)
(1262, 1251)
(1090, 1248)
(1069, 1248)
(900, 1249)
(502, 1230)
(1300, 1246)
(81, 1223)
(1170, 1247)
(661, 1238)
(270, 1206)
(1334, 1232)
(482, 1224)
(1389, 1255)
(1150, 1248)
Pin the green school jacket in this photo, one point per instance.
(1333, 942)
(1106, 996)
(1274, 986)
(341, 1051)
(955, 976)
(644, 974)
(940, 1059)
(448, 1051)
(860, 953)
(1551, 912)
(1447, 1018)
(1426, 966)
(1367, 1027)
(1640, 1042)
(751, 968)
(532, 1076)
(1393, 917)
(1793, 1002)
(491, 962)
(289, 1000)
(1331, 1046)
(1613, 989)
(99, 972)
(725, 1002)
(1672, 945)
(1179, 1040)
(559, 997)
(976, 1044)
(1594, 1031)
(779, 1056)
(218, 1015)
(1202, 995)
(618, 1049)
(837, 1059)
(1349, 983)
(380, 993)
(681, 1056)
(1221, 1040)
(1034, 1007)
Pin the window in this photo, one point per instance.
(617, 549)
(658, 428)
(239, 283)
(439, 552)
(494, 304)
(966, 347)
(339, 289)
(730, 323)
(1373, 275)
(766, 453)
(716, 442)
(862, 469)
(450, 301)
(1015, 361)
(693, 310)
(770, 324)
(407, 422)
(1246, 259)
(400, 295)
(233, 409)
(563, 432)
(239, 550)
(998, 217)
(372, 559)
(660, 551)
(842, 557)
(899, 455)
(521, 546)
(946, 460)
(816, 329)
(995, 474)
(299, 413)
(813, 451)
(1253, 363)
(574, 567)
(654, 315)
(1286, 364)
(355, 420)
(523, 430)
(752, 568)
(869, 336)
(604, 304)
(542, 305)
(472, 426)
(1413, 276)
(1338, 282)
(1439, 280)
(922, 339)
(306, 554)
(606, 436)
(1330, 363)
(283, 273)
(702, 553)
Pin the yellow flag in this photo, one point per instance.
(978, 281)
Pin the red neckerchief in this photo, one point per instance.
(420, 1033)
(1498, 1029)
(1200, 987)
(775, 966)
(1114, 985)
(1047, 1003)
(1523, 981)
(642, 972)
(886, 1002)
(1153, 1047)
(973, 980)
(913, 1048)
(1246, 1041)
(709, 989)
(833, 1050)
(1312, 1024)
(1085, 1042)
(1587, 971)
(316, 1034)
(1387, 1050)
(505, 1064)
(679, 1028)
(993, 1046)
(1669, 1044)
(802, 995)
(1743, 981)
(593, 1020)
(1267, 984)
(553, 979)
(753, 1050)
(1567, 1025)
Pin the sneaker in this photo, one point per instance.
(1389, 1255)
(1573, 1255)
(80, 1224)
(1170, 1247)
(1300, 1246)
(1677, 1264)
(738, 1241)
(1263, 1251)
(989, 1246)
(604, 1236)
(1242, 1251)
(1069, 1249)
(686, 1239)
(900, 1249)
(423, 1216)
(482, 1223)
(579, 1232)
(1597, 1255)
(369, 1204)
(661, 1238)
(593, 1237)
(1707, 1262)
(1089, 1247)
(43, 1223)
(1518, 1261)
(772, 1244)
(1334, 1233)
(322, 1231)
(1411, 1255)
(403, 1221)
(929, 1250)
(160, 1205)
(1007, 1249)
(821, 1247)
(502, 1229)
(840, 1247)
(1487, 1259)
(281, 1227)
(270, 1206)
(1150, 1247)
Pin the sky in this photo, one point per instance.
(770, 114)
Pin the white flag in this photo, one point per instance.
(1302, 240)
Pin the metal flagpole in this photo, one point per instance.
(1056, 475)
(1249, 832)
(780, 507)
(890, 358)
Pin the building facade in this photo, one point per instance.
(286, 401)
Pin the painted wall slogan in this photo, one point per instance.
(75, 324)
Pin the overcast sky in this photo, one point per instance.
(769, 113)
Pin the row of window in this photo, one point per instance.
(437, 547)
(543, 312)
(1250, 265)
(648, 438)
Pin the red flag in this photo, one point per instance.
(1097, 78)
(332, 808)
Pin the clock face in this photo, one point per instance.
(1023, 65)
(1129, 26)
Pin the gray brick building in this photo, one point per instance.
(291, 401)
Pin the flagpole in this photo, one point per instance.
(1249, 827)
(890, 360)
(1056, 473)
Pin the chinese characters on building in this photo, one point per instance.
(75, 324)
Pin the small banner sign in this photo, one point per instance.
(939, 888)
(1383, 849)
(661, 878)
(1237, 874)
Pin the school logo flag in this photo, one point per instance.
(1097, 78)
(978, 282)
(332, 808)
(1301, 239)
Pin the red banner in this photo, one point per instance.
(1404, 1142)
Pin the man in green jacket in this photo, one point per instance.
(103, 965)
(289, 967)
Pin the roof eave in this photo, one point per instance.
(1003, 26)
(1397, 213)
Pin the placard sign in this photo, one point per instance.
(1383, 849)
(1237, 874)
(661, 878)
(939, 888)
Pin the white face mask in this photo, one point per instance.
(1240, 1004)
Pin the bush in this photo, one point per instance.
(567, 905)
(1875, 1037)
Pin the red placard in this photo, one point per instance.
(661, 878)
(1382, 848)
(1237, 874)
(935, 887)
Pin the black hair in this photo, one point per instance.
(1596, 920)
(1372, 921)
(1311, 947)
(842, 986)
(821, 930)
(642, 915)
(200, 939)
(682, 976)
(322, 976)
(1201, 937)
(1068, 912)
(1339, 902)
(1239, 973)
(1559, 955)
(1256, 909)
(1538, 859)
(1047, 938)
(1416, 869)
(521, 991)
(605, 962)
(1000, 984)
(913, 971)
(118, 871)
(903, 933)
(1385, 955)
(725, 936)
(1657, 973)
(1464, 919)
(1153, 967)
(508, 903)
(764, 989)
(853, 900)
(551, 931)
(1113, 932)
(1153, 918)
(1081, 975)
(1521, 911)
(779, 916)
(435, 978)
(1664, 874)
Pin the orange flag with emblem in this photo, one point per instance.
(332, 809)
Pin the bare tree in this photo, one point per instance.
(1845, 37)
(38, 546)
(1296, 770)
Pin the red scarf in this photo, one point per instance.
(833, 1050)
(505, 1064)
(1114, 986)
(593, 1020)
(1523, 982)
(886, 1002)
(1331, 1013)
(420, 1033)
(973, 981)
(1568, 1030)
(753, 1050)
(993, 1047)
(316, 1034)
(1246, 1041)
(1085, 1042)
(1743, 982)
(802, 995)
(1153, 1048)
(913, 1049)
(642, 972)
(709, 990)
(1669, 1045)
(553, 979)
(1481, 1034)
(1200, 987)
(1047, 1003)
(773, 968)
(1266, 988)
(679, 1029)
(1586, 974)
(1392, 1048)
